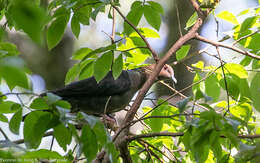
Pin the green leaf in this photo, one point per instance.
(72, 73)
(3, 118)
(8, 107)
(35, 125)
(39, 103)
(14, 124)
(248, 23)
(228, 16)
(212, 87)
(232, 85)
(87, 71)
(101, 133)
(236, 69)
(83, 14)
(156, 6)
(43, 154)
(98, 9)
(146, 32)
(117, 66)
(152, 17)
(75, 26)
(256, 64)
(81, 53)
(62, 135)
(63, 104)
(99, 51)
(12, 70)
(244, 88)
(103, 65)
(89, 143)
(134, 16)
(255, 91)
(29, 17)
(182, 52)
(56, 30)
(191, 20)
(8, 49)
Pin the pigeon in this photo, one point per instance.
(109, 95)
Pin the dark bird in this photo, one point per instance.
(109, 95)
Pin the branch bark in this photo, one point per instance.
(219, 44)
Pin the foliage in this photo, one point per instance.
(211, 123)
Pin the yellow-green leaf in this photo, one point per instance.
(228, 16)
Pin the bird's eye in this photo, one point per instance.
(165, 68)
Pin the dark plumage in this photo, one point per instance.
(92, 97)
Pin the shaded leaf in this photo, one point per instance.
(56, 30)
(103, 65)
(29, 17)
(134, 16)
(14, 124)
(75, 26)
(212, 87)
(39, 103)
(62, 135)
(89, 143)
(152, 17)
(35, 125)
(255, 91)
(117, 66)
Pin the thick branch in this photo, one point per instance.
(214, 43)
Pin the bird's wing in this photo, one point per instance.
(89, 87)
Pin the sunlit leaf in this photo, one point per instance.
(182, 52)
(191, 20)
(228, 16)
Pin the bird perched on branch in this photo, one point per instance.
(109, 95)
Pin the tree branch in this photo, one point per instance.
(165, 133)
(214, 43)
(155, 56)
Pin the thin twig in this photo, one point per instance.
(182, 95)
(155, 148)
(113, 25)
(214, 43)
(224, 77)
(178, 17)
(21, 141)
(244, 37)
(52, 141)
(155, 56)
(138, 47)
(165, 133)
(4, 134)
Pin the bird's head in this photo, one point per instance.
(166, 72)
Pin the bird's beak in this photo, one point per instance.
(174, 79)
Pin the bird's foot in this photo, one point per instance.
(109, 121)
